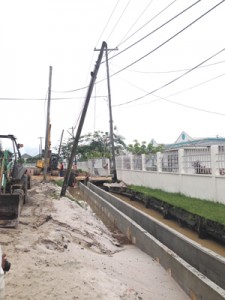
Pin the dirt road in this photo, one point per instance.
(61, 250)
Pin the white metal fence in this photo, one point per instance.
(196, 172)
(199, 160)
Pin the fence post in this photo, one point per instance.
(214, 150)
(181, 161)
(159, 161)
(122, 161)
(143, 162)
(131, 162)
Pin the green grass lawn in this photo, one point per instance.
(210, 210)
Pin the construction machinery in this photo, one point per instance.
(53, 159)
(14, 181)
(52, 163)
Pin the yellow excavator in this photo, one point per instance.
(52, 158)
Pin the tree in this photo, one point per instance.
(94, 145)
(143, 148)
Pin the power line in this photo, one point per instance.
(148, 22)
(136, 71)
(171, 71)
(173, 80)
(157, 46)
(184, 90)
(118, 19)
(69, 91)
(155, 30)
(44, 99)
(197, 85)
(191, 107)
(144, 10)
(168, 40)
(108, 21)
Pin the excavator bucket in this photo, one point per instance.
(10, 208)
(14, 182)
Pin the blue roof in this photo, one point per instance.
(198, 142)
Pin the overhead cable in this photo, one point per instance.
(168, 40)
(172, 81)
(172, 71)
(144, 10)
(44, 99)
(192, 107)
(147, 22)
(108, 21)
(118, 20)
(155, 30)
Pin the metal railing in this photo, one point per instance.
(197, 160)
(170, 161)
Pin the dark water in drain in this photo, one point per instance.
(207, 243)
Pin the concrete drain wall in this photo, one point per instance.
(163, 243)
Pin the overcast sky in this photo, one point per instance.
(167, 76)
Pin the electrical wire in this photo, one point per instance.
(118, 19)
(108, 21)
(44, 99)
(179, 92)
(171, 38)
(142, 72)
(180, 104)
(155, 30)
(138, 18)
(69, 91)
(170, 71)
(197, 85)
(173, 80)
(191, 107)
(148, 22)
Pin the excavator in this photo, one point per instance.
(14, 181)
(52, 159)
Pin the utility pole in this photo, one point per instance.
(47, 135)
(72, 129)
(79, 129)
(40, 146)
(113, 164)
(60, 145)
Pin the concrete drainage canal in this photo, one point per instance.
(199, 272)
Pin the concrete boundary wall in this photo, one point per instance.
(201, 186)
(193, 282)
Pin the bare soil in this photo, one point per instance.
(62, 250)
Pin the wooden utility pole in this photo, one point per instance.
(76, 139)
(113, 162)
(47, 135)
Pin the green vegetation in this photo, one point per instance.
(94, 145)
(98, 145)
(59, 182)
(210, 210)
(143, 148)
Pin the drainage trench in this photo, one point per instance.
(199, 272)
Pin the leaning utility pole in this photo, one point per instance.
(113, 163)
(79, 129)
(47, 137)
